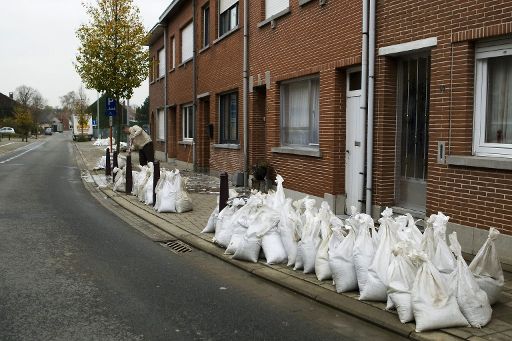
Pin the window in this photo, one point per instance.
(228, 118)
(161, 124)
(272, 7)
(161, 63)
(187, 40)
(299, 112)
(187, 122)
(493, 100)
(228, 16)
(206, 26)
(173, 54)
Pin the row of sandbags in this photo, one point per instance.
(415, 273)
(171, 193)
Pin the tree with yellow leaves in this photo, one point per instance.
(112, 57)
(24, 121)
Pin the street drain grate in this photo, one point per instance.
(176, 246)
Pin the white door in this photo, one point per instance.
(355, 143)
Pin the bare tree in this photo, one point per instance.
(30, 100)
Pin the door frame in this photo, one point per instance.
(399, 118)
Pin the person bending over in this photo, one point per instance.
(140, 140)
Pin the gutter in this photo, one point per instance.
(194, 85)
(371, 85)
(165, 93)
(364, 69)
(246, 93)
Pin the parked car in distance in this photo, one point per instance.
(48, 131)
(6, 130)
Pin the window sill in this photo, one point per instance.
(226, 146)
(185, 62)
(227, 34)
(303, 2)
(186, 142)
(479, 161)
(160, 140)
(204, 49)
(172, 70)
(274, 17)
(298, 151)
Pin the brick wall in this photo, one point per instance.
(474, 197)
(310, 40)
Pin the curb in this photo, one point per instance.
(342, 302)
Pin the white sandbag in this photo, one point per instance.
(148, 191)
(278, 198)
(401, 274)
(183, 200)
(443, 259)
(322, 268)
(408, 231)
(377, 281)
(486, 268)
(341, 261)
(166, 192)
(299, 261)
(212, 220)
(224, 228)
(273, 247)
(287, 228)
(433, 304)
(427, 241)
(308, 251)
(119, 179)
(101, 164)
(363, 246)
(236, 238)
(472, 300)
(248, 249)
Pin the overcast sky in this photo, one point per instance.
(38, 45)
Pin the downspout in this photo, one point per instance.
(246, 93)
(165, 91)
(194, 85)
(364, 66)
(371, 84)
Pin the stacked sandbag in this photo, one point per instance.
(473, 301)
(119, 179)
(183, 201)
(341, 259)
(486, 268)
(433, 302)
(364, 246)
(375, 288)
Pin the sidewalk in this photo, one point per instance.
(187, 227)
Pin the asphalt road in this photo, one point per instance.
(70, 269)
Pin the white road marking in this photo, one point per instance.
(3, 145)
(20, 154)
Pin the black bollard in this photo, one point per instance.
(114, 164)
(156, 177)
(107, 162)
(224, 191)
(129, 179)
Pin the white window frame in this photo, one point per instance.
(187, 119)
(161, 63)
(161, 124)
(311, 144)
(187, 42)
(484, 52)
(224, 6)
(173, 54)
(273, 7)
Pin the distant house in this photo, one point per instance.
(6, 106)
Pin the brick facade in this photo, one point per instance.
(471, 196)
(325, 41)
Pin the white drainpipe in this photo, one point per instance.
(371, 84)
(246, 93)
(364, 66)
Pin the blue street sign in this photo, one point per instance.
(93, 122)
(111, 107)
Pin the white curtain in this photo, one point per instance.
(186, 42)
(161, 63)
(161, 124)
(300, 112)
(273, 7)
(499, 101)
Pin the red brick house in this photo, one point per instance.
(408, 105)
(443, 113)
